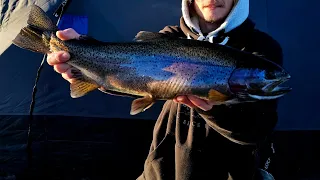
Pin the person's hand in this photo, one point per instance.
(58, 59)
(194, 102)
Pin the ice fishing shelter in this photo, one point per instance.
(64, 128)
(95, 136)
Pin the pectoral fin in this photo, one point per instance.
(216, 96)
(141, 104)
(81, 88)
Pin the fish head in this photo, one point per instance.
(261, 82)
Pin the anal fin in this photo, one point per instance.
(81, 88)
(141, 104)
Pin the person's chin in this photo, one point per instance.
(213, 19)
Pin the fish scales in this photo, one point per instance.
(130, 70)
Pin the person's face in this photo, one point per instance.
(213, 10)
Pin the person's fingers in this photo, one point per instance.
(184, 100)
(71, 80)
(58, 57)
(71, 75)
(61, 68)
(200, 103)
(193, 101)
(67, 34)
(67, 75)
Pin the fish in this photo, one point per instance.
(156, 66)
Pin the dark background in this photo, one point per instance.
(95, 136)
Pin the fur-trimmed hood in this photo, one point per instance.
(238, 14)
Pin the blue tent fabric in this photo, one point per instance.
(77, 22)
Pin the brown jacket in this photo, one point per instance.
(223, 142)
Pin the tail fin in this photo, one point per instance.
(31, 40)
(38, 19)
(34, 36)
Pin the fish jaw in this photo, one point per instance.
(272, 90)
(258, 84)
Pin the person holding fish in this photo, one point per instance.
(195, 138)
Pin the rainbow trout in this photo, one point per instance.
(156, 66)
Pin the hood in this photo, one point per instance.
(238, 14)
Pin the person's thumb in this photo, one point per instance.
(67, 34)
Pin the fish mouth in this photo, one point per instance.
(273, 90)
(274, 84)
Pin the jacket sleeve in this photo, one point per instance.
(248, 123)
(173, 30)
